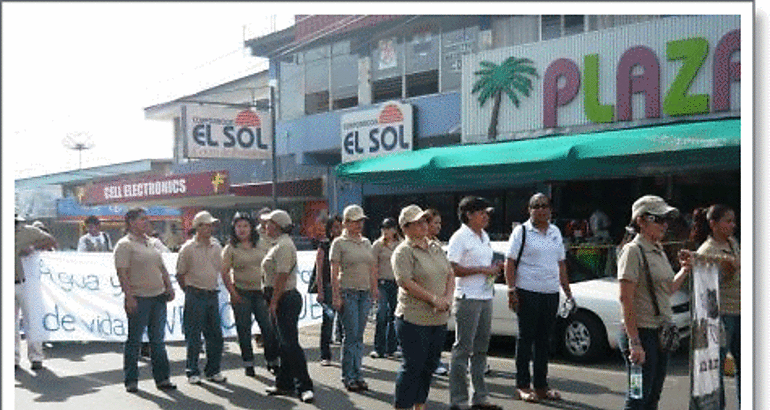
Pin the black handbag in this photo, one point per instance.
(668, 333)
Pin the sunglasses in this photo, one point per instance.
(656, 219)
(539, 206)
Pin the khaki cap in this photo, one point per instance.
(411, 213)
(203, 217)
(353, 213)
(651, 204)
(279, 216)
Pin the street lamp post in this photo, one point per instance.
(272, 83)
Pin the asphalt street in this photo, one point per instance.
(80, 376)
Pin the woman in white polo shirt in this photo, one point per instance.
(471, 257)
(533, 293)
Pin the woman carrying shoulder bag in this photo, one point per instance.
(647, 281)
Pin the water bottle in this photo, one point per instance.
(635, 382)
(567, 308)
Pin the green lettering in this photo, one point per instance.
(595, 111)
(693, 52)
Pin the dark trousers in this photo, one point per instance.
(292, 374)
(150, 314)
(653, 370)
(732, 325)
(201, 316)
(385, 330)
(253, 303)
(327, 324)
(537, 317)
(421, 346)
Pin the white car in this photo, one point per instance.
(587, 334)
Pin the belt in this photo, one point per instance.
(203, 292)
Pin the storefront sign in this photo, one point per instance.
(667, 68)
(215, 132)
(173, 186)
(372, 133)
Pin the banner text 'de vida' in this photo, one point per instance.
(77, 297)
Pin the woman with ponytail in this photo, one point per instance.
(713, 230)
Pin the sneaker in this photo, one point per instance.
(37, 365)
(132, 387)
(165, 385)
(326, 362)
(307, 396)
(217, 378)
(250, 371)
(375, 355)
(194, 379)
(276, 391)
(441, 370)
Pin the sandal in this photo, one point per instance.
(548, 394)
(526, 395)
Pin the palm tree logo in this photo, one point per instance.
(511, 77)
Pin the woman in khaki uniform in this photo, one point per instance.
(640, 342)
(280, 268)
(242, 276)
(714, 228)
(354, 286)
(385, 343)
(426, 286)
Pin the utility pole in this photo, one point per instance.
(274, 184)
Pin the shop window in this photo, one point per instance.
(345, 103)
(560, 26)
(316, 102)
(422, 83)
(387, 89)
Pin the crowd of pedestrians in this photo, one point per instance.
(418, 283)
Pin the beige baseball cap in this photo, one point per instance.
(203, 217)
(353, 213)
(411, 214)
(651, 204)
(279, 216)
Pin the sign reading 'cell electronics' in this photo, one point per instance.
(215, 132)
(381, 131)
(155, 188)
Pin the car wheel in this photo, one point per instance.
(583, 337)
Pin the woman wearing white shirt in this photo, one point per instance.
(470, 254)
(533, 293)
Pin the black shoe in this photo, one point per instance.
(272, 368)
(132, 387)
(486, 406)
(276, 391)
(37, 365)
(352, 387)
(166, 385)
(250, 371)
(362, 386)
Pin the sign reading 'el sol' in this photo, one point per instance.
(214, 132)
(381, 131)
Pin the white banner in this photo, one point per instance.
(706, 325)
(77, 296)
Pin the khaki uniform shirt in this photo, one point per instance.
(382, 254)
(729, 291)
(631, 268)
(355, 259)
(200, 264)
(430, 269)
(26, 236)
(281, 259)
(246, 266)
(144, 263)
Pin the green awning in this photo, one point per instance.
(698, 146)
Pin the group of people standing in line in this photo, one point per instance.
(418, 286)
